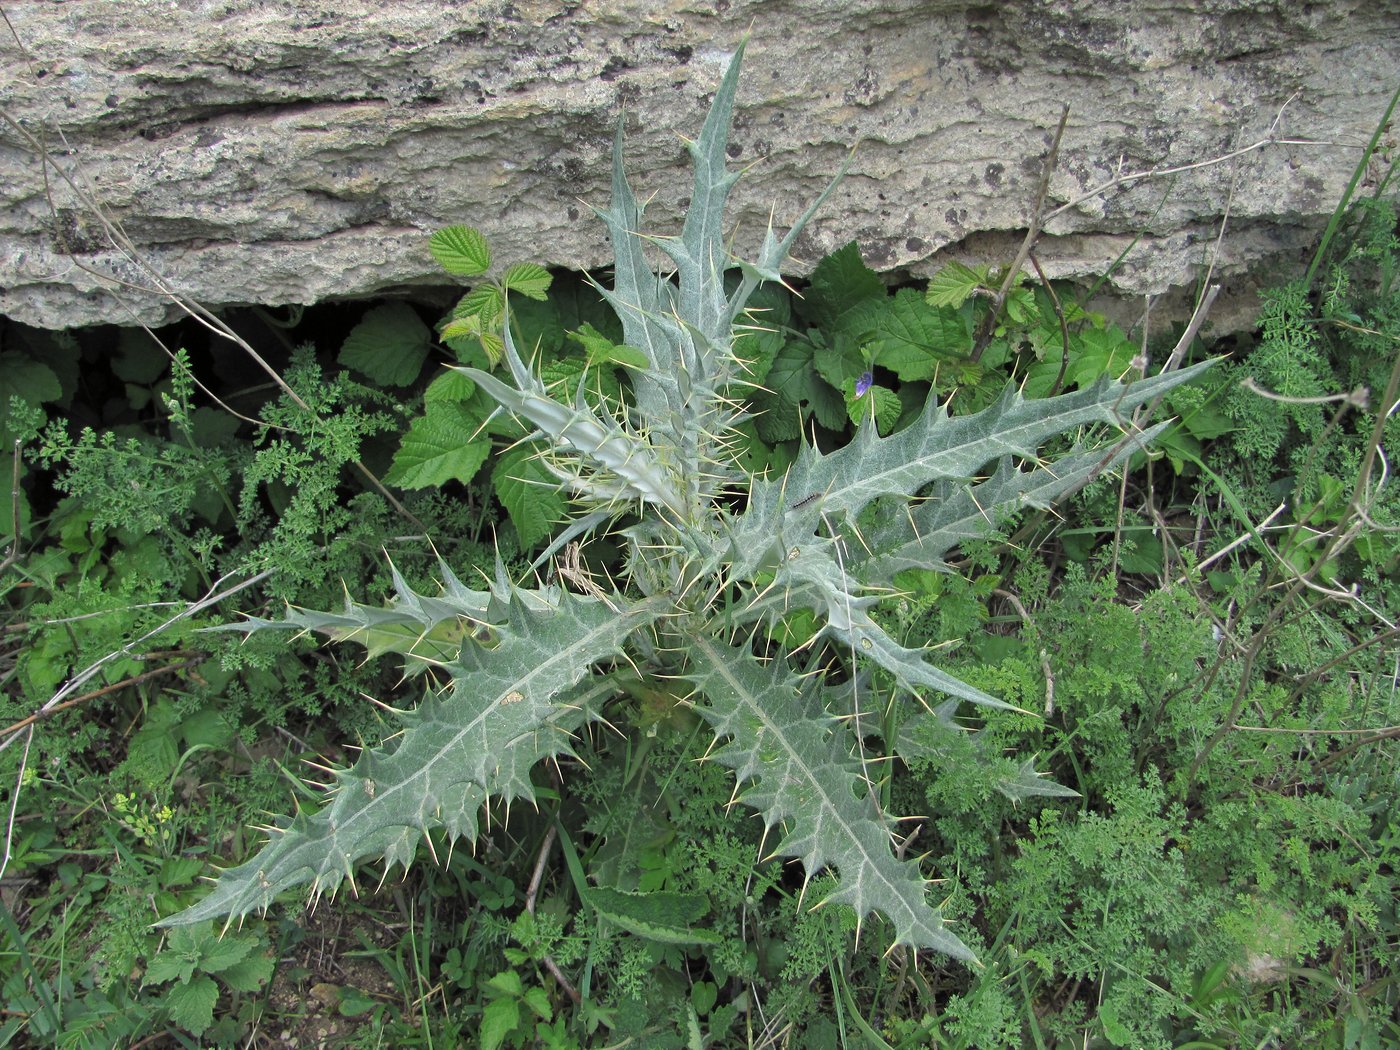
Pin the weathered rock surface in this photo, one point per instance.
(275, 152)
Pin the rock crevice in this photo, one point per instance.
(279, 152)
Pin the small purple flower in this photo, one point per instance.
(863, 383)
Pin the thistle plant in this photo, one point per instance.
(714, 560)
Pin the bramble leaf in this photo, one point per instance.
(460, 250)
(529, 494)
(952, 285)
(444, 445)
(529, 279)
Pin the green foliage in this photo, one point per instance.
(195, 962)
(1190, 843)
(537, 663)
(1309, 401)
(461, 428)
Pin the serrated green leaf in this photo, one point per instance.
(139, 359)
(219, 953)
(952, 285)
(913, 338)
(507, 982)
(352, 1002)
(460, 328)
(451, 387)
(537, 999)
(840, 361)
(793, 383)
(535, 326)
(1020, 306)
(250, 975)
(567, 379)
(840, 283)
(880, 402)
(389, 345)
(602, 350)
(1106, 352)
(529, 279)
(444, 445)
(498, 1020)
(26, 379)
(460, 250)
(529, 493)
(192, 1005)
(179, 871)
(172, 964)
(484, 301)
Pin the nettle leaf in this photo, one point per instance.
(389, 345)
(529, 279)
(840, 284)
(913, 338)
(444, 445)
(460, 250)
(192, 1005)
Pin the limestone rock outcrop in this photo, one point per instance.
(288, 151)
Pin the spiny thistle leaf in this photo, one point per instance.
(939, 446)
(521, 663)
(425, 629)
(801, 775)
(506, 708)
(958, 512)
